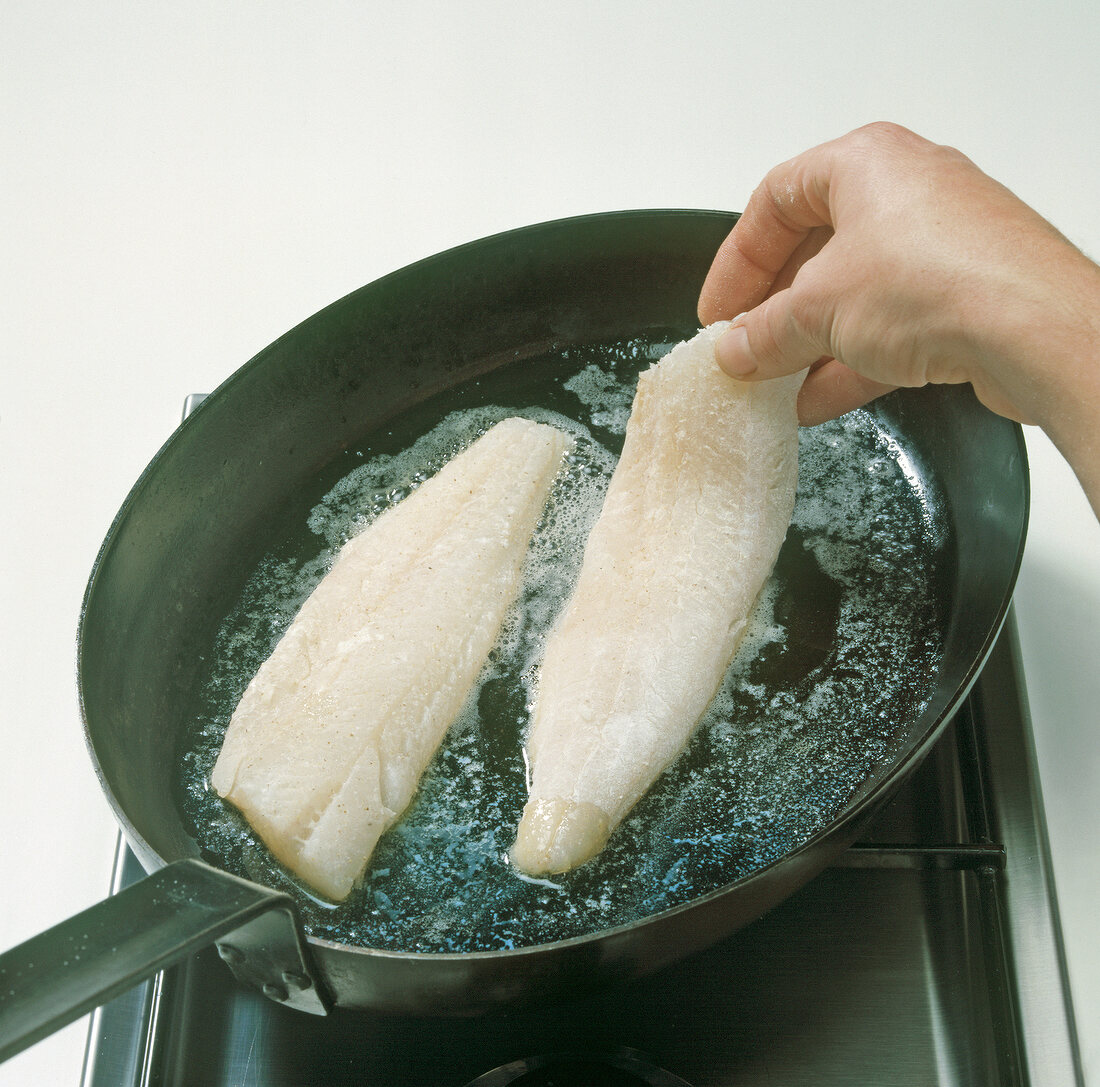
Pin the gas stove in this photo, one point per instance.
(929, 954)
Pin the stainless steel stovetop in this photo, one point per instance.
(929, 955)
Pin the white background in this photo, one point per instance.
(182, 183)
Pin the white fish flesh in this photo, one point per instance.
(695, 514)
(331, 737)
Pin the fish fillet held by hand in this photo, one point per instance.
(695, 515)
(329, 741)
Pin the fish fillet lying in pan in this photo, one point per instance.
(328, 743)
(693, 521)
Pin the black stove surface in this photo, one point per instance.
(928, 955)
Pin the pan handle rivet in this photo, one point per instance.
(232, 955)
(297, 981)
(275, 992)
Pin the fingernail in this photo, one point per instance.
(732, 352)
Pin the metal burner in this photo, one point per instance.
(621, 1068)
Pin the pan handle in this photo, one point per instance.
(65, 972)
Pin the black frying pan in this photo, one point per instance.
(506, 322)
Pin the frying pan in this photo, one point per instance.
(488, 319)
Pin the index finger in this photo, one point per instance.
(790, 203)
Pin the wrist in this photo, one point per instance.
(1057, 358)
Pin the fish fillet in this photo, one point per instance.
(328, 743)
(695, 515)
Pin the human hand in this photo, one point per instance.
(882, 260)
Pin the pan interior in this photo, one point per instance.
(839, 664)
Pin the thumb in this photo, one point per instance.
(768, 341)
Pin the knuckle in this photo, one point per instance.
(884, 132)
